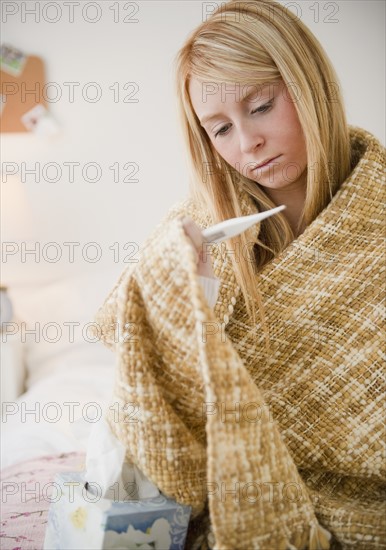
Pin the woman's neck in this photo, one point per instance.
(294, 198)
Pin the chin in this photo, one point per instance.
(274, 185)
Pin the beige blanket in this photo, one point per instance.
(274, 450)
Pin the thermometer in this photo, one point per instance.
(235, 226)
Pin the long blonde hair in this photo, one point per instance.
(256, 43)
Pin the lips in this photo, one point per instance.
(265, 162)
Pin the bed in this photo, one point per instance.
(56, 387)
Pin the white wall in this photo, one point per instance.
(146, 132)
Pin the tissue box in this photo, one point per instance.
(78, 520)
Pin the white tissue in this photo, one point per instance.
(107, 473)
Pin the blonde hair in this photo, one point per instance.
(257, 43)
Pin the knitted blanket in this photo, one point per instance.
(272, 451)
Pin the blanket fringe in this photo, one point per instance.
(319, 538)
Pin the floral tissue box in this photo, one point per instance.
(78, 520)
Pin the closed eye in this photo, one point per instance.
(221, 132)
(262, 109)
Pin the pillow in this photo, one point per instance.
(54, 324)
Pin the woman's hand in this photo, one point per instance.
(203, 260)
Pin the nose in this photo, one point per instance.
(250, 138)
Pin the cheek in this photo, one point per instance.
(287, 119)
(225, 150)
(292, 130)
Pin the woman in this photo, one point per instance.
(264, 49)
(264, 125)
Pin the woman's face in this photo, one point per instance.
(249, 126)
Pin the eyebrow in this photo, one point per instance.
(206, 119)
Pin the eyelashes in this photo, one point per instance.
(262, 109)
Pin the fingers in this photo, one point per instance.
(193, 232)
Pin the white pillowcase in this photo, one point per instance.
(53, 321)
